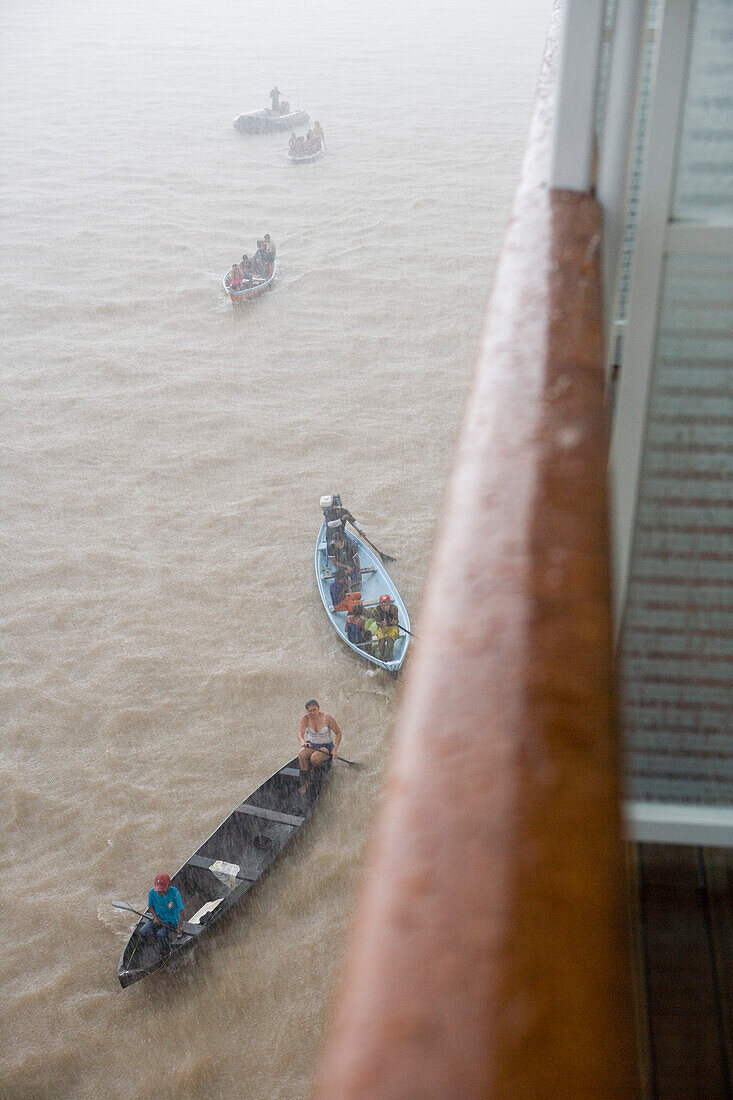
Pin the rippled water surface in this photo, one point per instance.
(163, 459)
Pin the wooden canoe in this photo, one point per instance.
(228, 864)
(375, 581)
(267, 121)
(248, 290)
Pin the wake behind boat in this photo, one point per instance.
(375, 583)
(228, 864)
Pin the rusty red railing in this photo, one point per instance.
(489, 954)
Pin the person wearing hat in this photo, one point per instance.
(388, 627)
(166, 912)
(335, 516)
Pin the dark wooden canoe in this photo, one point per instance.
(228, 864)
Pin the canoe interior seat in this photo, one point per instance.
(294, 773)
(192, 929)
(270, 815)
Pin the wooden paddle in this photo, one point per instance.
(165, 923)
(352, 763)
(383, 556)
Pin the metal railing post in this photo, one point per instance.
(571, 160)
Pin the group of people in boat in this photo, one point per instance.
(313, 142)
(374, 627)
(252, 270)
(319, 737)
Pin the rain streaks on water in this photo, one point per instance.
(163, 457)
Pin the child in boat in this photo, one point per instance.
(369, 634)
(355, 624)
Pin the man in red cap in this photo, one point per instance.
(388, 627)
(166, 911)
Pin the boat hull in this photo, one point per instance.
(375, 582)
(265, 122)
(245, 294)
(307, 158)
(228, 864)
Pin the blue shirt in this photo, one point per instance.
(167, 906)
(337, 591)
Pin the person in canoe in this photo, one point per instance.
(270, 254)
(344, 555)
(293, 144)
(388, 627)
(275, 97)
(355, 624)
(335, 516)
(165, 907)
(318, 138)
(260, 263)
(320, 737)
(236, 278)
(337, 590)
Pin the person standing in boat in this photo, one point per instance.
(275, 97)
(259, 260)
(320, 737)
(318, 138)
(165, 905)
(335, 516)
(270, 254)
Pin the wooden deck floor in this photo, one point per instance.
(682, 921)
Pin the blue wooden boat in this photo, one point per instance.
(375, 581)
(227, 865)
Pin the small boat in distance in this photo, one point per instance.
(268, 121)
(247, 290)
(375, 582)
(304, 158)
(229, 863)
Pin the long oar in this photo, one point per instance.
(383, 556)
(353, 763)
(126, 905)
